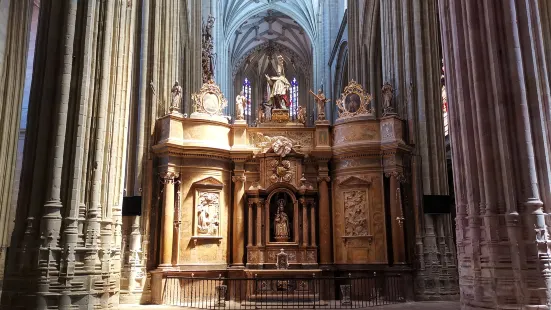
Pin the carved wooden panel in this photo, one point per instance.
(356, 213)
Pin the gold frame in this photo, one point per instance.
(354, 88)
(209, 88)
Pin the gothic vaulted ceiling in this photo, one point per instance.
(257, 30)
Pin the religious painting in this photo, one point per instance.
(210, 103)
(354, 102)
(209, 99)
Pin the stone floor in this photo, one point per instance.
(427, 305)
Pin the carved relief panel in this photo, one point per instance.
(359, 220)
(355, 213)
(207, 213)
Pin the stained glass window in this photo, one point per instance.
(247, 93)
(294, 97)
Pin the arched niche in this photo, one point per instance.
(291, 209)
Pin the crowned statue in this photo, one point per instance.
(278, 87)
(281, 223)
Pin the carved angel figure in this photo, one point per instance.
(282, 146)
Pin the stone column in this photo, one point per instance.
(326, 246)
(259, 207)
(497, 72)
(238, 220)
(313, 224)
(396, 219)
(167, 225)
(304, 205)
(250, 225)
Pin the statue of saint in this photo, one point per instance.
(281, 222)
(278, 87)
(320, 102)
(301, 115)
(176, 97)
(387, 92)
(240, 105)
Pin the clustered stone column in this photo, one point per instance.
(14, 31)
(496, 56)
(66, 245)
(411, 64)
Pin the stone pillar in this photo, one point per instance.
(250, 225)
(326, 246)
(497, 72)
(238, 220)
(396, 219)
(167, 225)
(259, 207)
(14, 41)
(313, 224)
(304, 205)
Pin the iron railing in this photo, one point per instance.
(284, 293)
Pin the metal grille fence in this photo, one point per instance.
(284, 293)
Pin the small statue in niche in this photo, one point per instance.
(281, 223)
(301, 115)
(176, 97)
(320, 102)
(240, 105)
(387, 92)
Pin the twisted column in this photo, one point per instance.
(167, 178)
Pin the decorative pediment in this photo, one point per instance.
(209, 182)
(354, 181)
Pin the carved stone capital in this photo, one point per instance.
(168, 176)
(396, 174)
(326, 179)
(239, 178)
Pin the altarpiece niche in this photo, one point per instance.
(281, 218)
